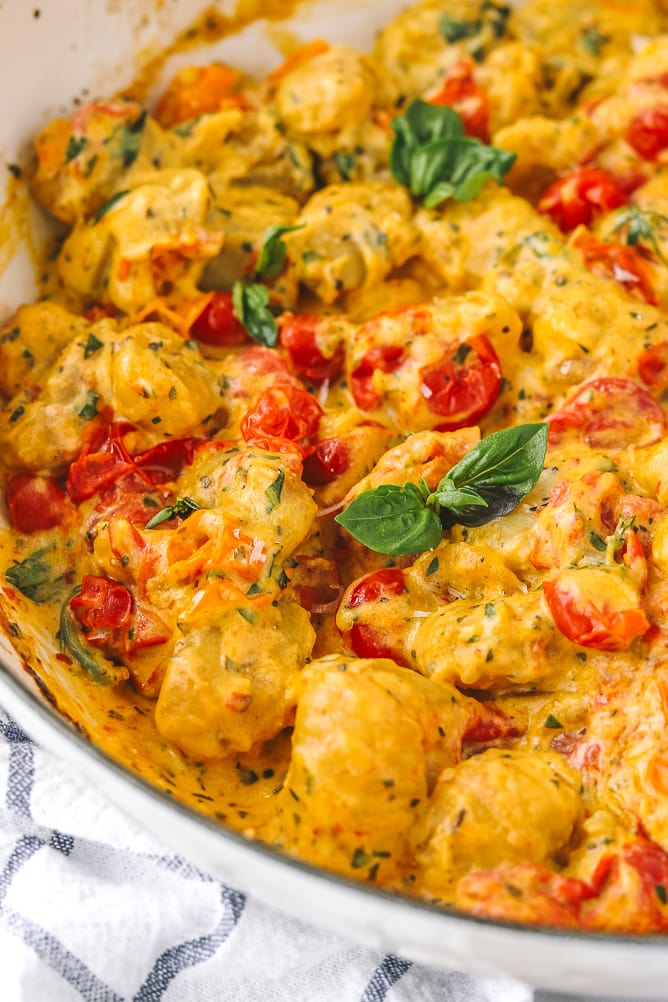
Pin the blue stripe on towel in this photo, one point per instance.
(193, 951)
(386, 975)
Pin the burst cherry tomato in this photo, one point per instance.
(653, 366)
(329, 459)
(648, 132)
(283, 412)
(575, 199)
(464, 385)
(386, 358)
(609, 413)
(622, 263)
(35, 502)
(298, 337)
(217, 323)
(103, 607)
(368, 641)
(103, 460)
(471, 101)
(589, 624)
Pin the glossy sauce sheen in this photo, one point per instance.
(481, 724)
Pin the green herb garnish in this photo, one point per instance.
(552, 722)
(434, 159)
(109, 204)
(251, 308)
(34, 576)
(641, 224)
(182, 508)
(273, 251)
(487, 483)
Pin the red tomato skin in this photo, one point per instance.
(368, 642)
(35, 502)
(462, 392)
(623, 414)
(376, 585)
(283, 412)
(601, 630)
(653, 366)
(298, 337)
(218, 325)
(471, 101)
(328, 461)
(103, 606)
(574, 200)
(624, 264)
(648, 132)
(384, 357)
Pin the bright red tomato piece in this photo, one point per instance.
(101, 462)
(386, 358)
(218, 324)
(166, 460)
(298, 337)
(377, 585)
(653, 367)
(282, 413)
(35, 502)
(609, 413)
(648, 132)
(574, 200)
(464, 385)
(328, 461)
(365, 639)
(103, 607)
(624, 264)
(604, 630)
(471, 101)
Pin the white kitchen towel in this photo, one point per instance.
(94, 908)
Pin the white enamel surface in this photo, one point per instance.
(86, 48)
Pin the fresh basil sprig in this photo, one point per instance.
(487, 483)
(251, 308)
(272, 254)
(431, 155)
(182, 508)
(250, 300)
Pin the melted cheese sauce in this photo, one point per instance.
(483, 723)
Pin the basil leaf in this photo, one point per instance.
(109, 204)
(130, 137)
(182, 508)
(454, 30)
(393, 520)
(273, 251)
(431, 155)
(251, 308)
(501, 469)
(34, 577)
(641, 224)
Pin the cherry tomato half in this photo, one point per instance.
(574, 200)
(103, 607)
(471, 101)
(283, 412)
(653, 366)
(648, 132)
(385, 357)
(590, 625)
(329, 459)
(298, 337)
(218, 324)
(464, 385)
(622, 263)
(35, 502)
(365, 639)
(609, 413)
